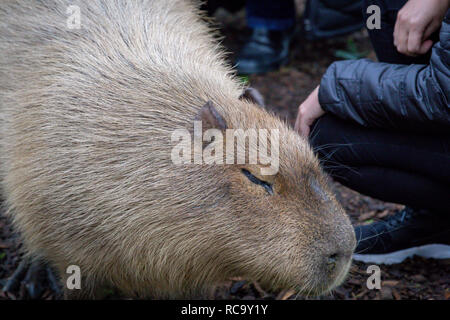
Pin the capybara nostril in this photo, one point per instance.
(331, 262)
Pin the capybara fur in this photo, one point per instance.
(86, 172)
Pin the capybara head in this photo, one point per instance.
(281, 226)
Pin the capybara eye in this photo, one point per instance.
(267, 186)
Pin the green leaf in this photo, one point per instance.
(244, 79)
(351, 51)
(351, 45)
(345, 55)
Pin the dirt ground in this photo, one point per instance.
(283, 90)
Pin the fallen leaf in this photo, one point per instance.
(258, 288)
(383, 214)
(389, 283)
(4, 245)
(362, 293)
(419, 278)
(396, 295)
(447, 295)
(284, 295)
(366, 216)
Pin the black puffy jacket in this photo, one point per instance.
(376, 94)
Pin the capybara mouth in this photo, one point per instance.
(334, 281)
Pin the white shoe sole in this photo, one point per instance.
(434, 251)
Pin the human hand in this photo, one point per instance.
(308, 112)
(415, 23)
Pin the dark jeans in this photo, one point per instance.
(402, 167)
(270, 14)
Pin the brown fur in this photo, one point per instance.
(86, 118)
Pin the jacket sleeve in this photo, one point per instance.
(385, 95)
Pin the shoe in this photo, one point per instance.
(409, 232)
(266, 50)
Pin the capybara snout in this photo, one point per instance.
(91, 120)
(337, 250)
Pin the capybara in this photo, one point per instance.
(87, 116)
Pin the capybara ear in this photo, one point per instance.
(211, 118)
(253, 95)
